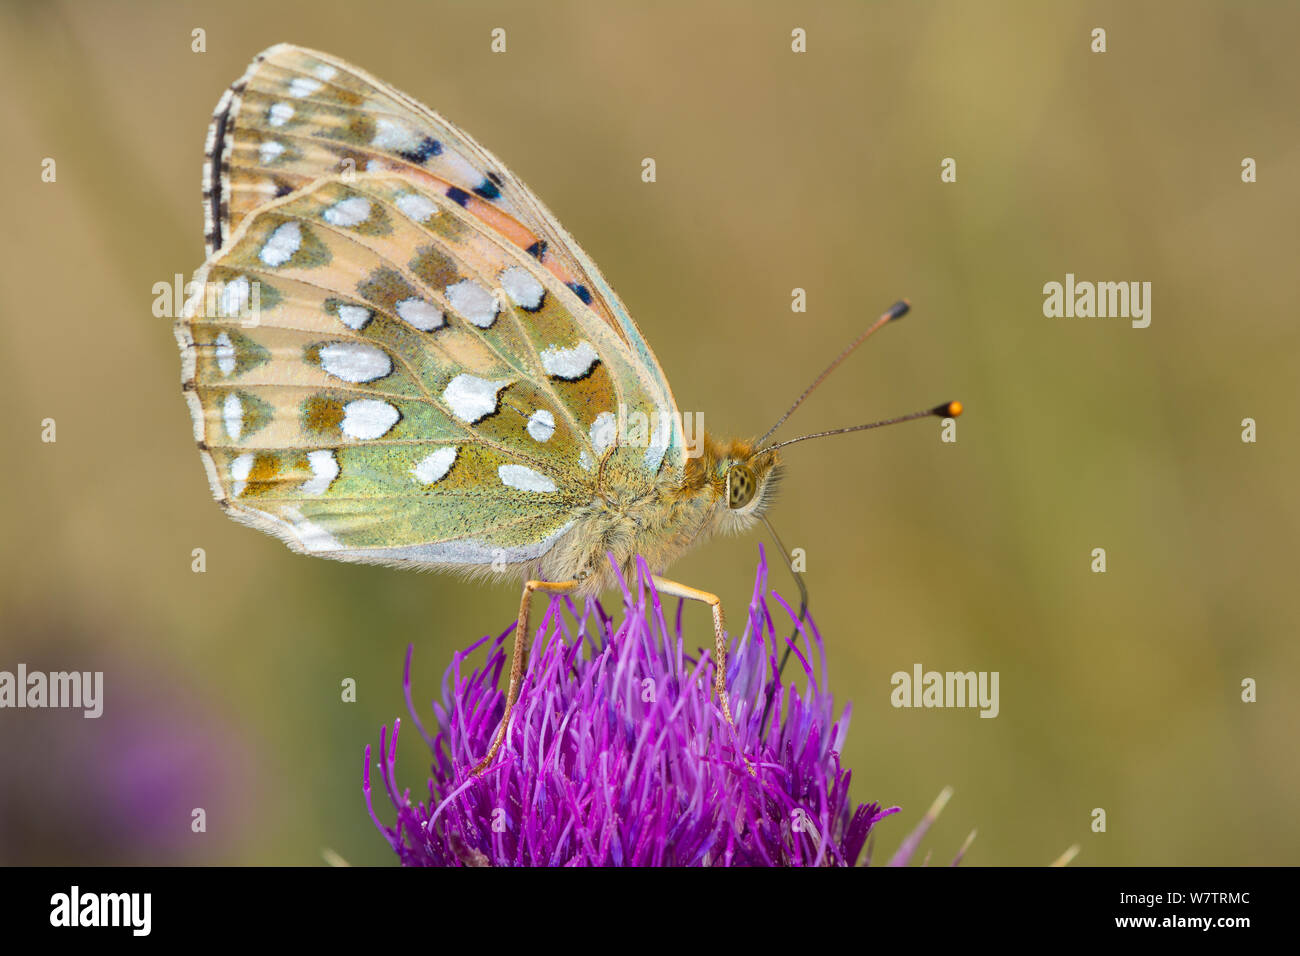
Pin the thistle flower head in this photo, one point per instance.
(617, 754)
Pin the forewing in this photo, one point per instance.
(297, 115)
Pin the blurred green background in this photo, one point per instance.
(775, 171)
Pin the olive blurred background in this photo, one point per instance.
(775, 170)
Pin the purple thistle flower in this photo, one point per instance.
(617, 755)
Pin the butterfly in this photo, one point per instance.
(394, 354)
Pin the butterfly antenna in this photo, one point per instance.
(803, 615)
(946, 410)
(896, 311)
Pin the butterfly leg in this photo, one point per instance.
(522, 642)
(673, 589)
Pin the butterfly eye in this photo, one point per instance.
(740, 487)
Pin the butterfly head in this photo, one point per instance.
(743, 481)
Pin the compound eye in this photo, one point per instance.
(740, 487)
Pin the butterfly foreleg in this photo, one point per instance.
(673, 589)
(522, 643)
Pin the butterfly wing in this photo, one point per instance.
(375, 377)
(297, 115)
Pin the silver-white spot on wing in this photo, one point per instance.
(240, 469)
(232, 414)
(355, 362)
(420, 315)
(354, 317)
(525, 479)
(282, 244)
(301, 86)
(603, 432)
(434, 466)
(393, 136)
(417, 207)
(368, 418)
(349, 212)
(225, 353)
(472, 398)
(541, 425)
(474, 302)
(523, 288)
(324, 469)
(269, 152)
(569, 364)
(279, 114)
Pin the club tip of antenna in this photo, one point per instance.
(898, 309)
(947, 410)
